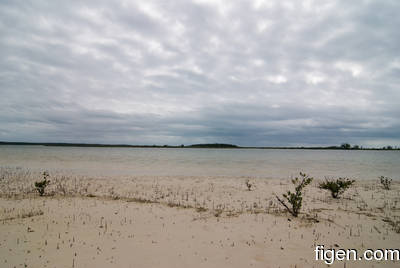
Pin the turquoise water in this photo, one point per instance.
(203, 162)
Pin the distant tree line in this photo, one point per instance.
(343, 146)
(348, 146)
(213, 145)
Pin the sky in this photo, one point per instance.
(251, 73)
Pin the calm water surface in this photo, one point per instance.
(203, 162)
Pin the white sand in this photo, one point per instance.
(188, 222)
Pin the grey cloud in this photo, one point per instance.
(189, 71)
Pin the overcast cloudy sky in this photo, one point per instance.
(255, 73)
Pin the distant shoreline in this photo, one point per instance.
(194, 146)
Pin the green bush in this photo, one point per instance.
(337, 187)
(295, 199)
(248, 184)
(41, 185)
(385, 181)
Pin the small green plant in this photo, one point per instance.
(337, 187)
(248, 185)
(385, 181)
(41, 185)
(296, 199)
(218, 212)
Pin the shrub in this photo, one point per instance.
(385, 181)
(337, 187)
(248, 185)
(295, 199)
(41, 185)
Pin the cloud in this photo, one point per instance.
(249, 73)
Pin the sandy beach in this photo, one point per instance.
(175, 134)
(187, 222)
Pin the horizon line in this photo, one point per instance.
(343, 146)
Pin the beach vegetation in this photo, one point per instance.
(336, 187)
(218, 212)
(249, 185)
(395, 224)
(295, 199)
(41, 185)
(386, 182)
